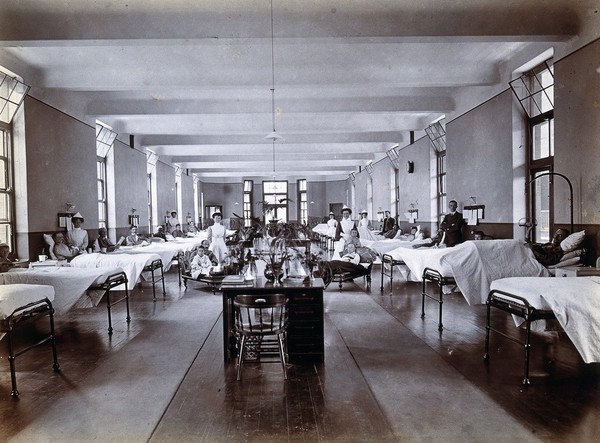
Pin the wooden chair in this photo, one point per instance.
(260, 325)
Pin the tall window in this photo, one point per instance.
(102, 203)
(275, 198)
(150, 220)
(302, 201)
(6, 189)
(248, 201)
(442, 190)
(535, 92)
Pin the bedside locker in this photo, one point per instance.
(576, 271)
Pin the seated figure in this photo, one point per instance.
(103, 243)
(348, 262)
(61, 249)
(191, 229)
(5, 262)
(437, 242)
(160, 233)
(352, 240)
(209, 253)
(177, 232)
(550, 253)
(201, 264)
(134, 239)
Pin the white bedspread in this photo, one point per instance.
(131, 264)
(575, 302)
(167, 250)
(474, 264)
(70, 284)
(389, 246)
(321, 228)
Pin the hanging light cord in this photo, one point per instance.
(272, 67)
(273, 80)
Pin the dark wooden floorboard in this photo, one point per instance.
(389, 375)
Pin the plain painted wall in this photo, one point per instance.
(130, 187)
(479, 158)
(61, 166)
(577, 135)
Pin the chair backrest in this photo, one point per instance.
(264, 314)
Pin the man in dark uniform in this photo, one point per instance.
(452, 225)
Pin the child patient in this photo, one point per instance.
(201, 264)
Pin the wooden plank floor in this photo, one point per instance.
(388, 376)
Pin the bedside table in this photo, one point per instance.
(576, 271)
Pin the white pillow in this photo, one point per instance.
(572, 254)
(50, 242)
(569, 262)
(573, 241)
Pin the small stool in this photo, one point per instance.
(19, 302)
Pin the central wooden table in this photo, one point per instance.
(305, 336)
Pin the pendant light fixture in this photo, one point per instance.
(273, 135)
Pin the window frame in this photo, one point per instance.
(7, 156)
(302, 201)
(277, 196)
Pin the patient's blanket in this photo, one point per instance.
(474, 264)
(575, 302)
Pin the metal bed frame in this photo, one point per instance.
(513, 304)
(152, 267)
(31, 310)
(388, 259)
(433, 276)
(114, 280)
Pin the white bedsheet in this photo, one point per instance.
(70, 284)
(321, 228)
(166, 250)
(473, 264)
(131, 264)
(575, 302)
(389, 246)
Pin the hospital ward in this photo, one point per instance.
(290, 221)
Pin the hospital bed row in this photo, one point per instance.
(504, 274)
(53, 288)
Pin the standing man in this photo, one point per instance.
(172, 222)
(452, 225)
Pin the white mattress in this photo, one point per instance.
(70, 284)
(18, 295)
(131, 264)
(575, 302)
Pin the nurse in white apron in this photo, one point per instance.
(216, 238)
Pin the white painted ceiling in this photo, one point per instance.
(192, 79)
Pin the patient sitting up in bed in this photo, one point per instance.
(201, 264)
(550, 253)
(61, 249)
(134, 239)
(349, 262)
(103, 243)
(435, 242)
(209, 253)
(352, 240)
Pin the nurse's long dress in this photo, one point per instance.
(216, 236)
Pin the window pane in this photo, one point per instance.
(3, 174)
(5, 233)
(543, 140)
(4, 207)
(542, 208)
(100, 190)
